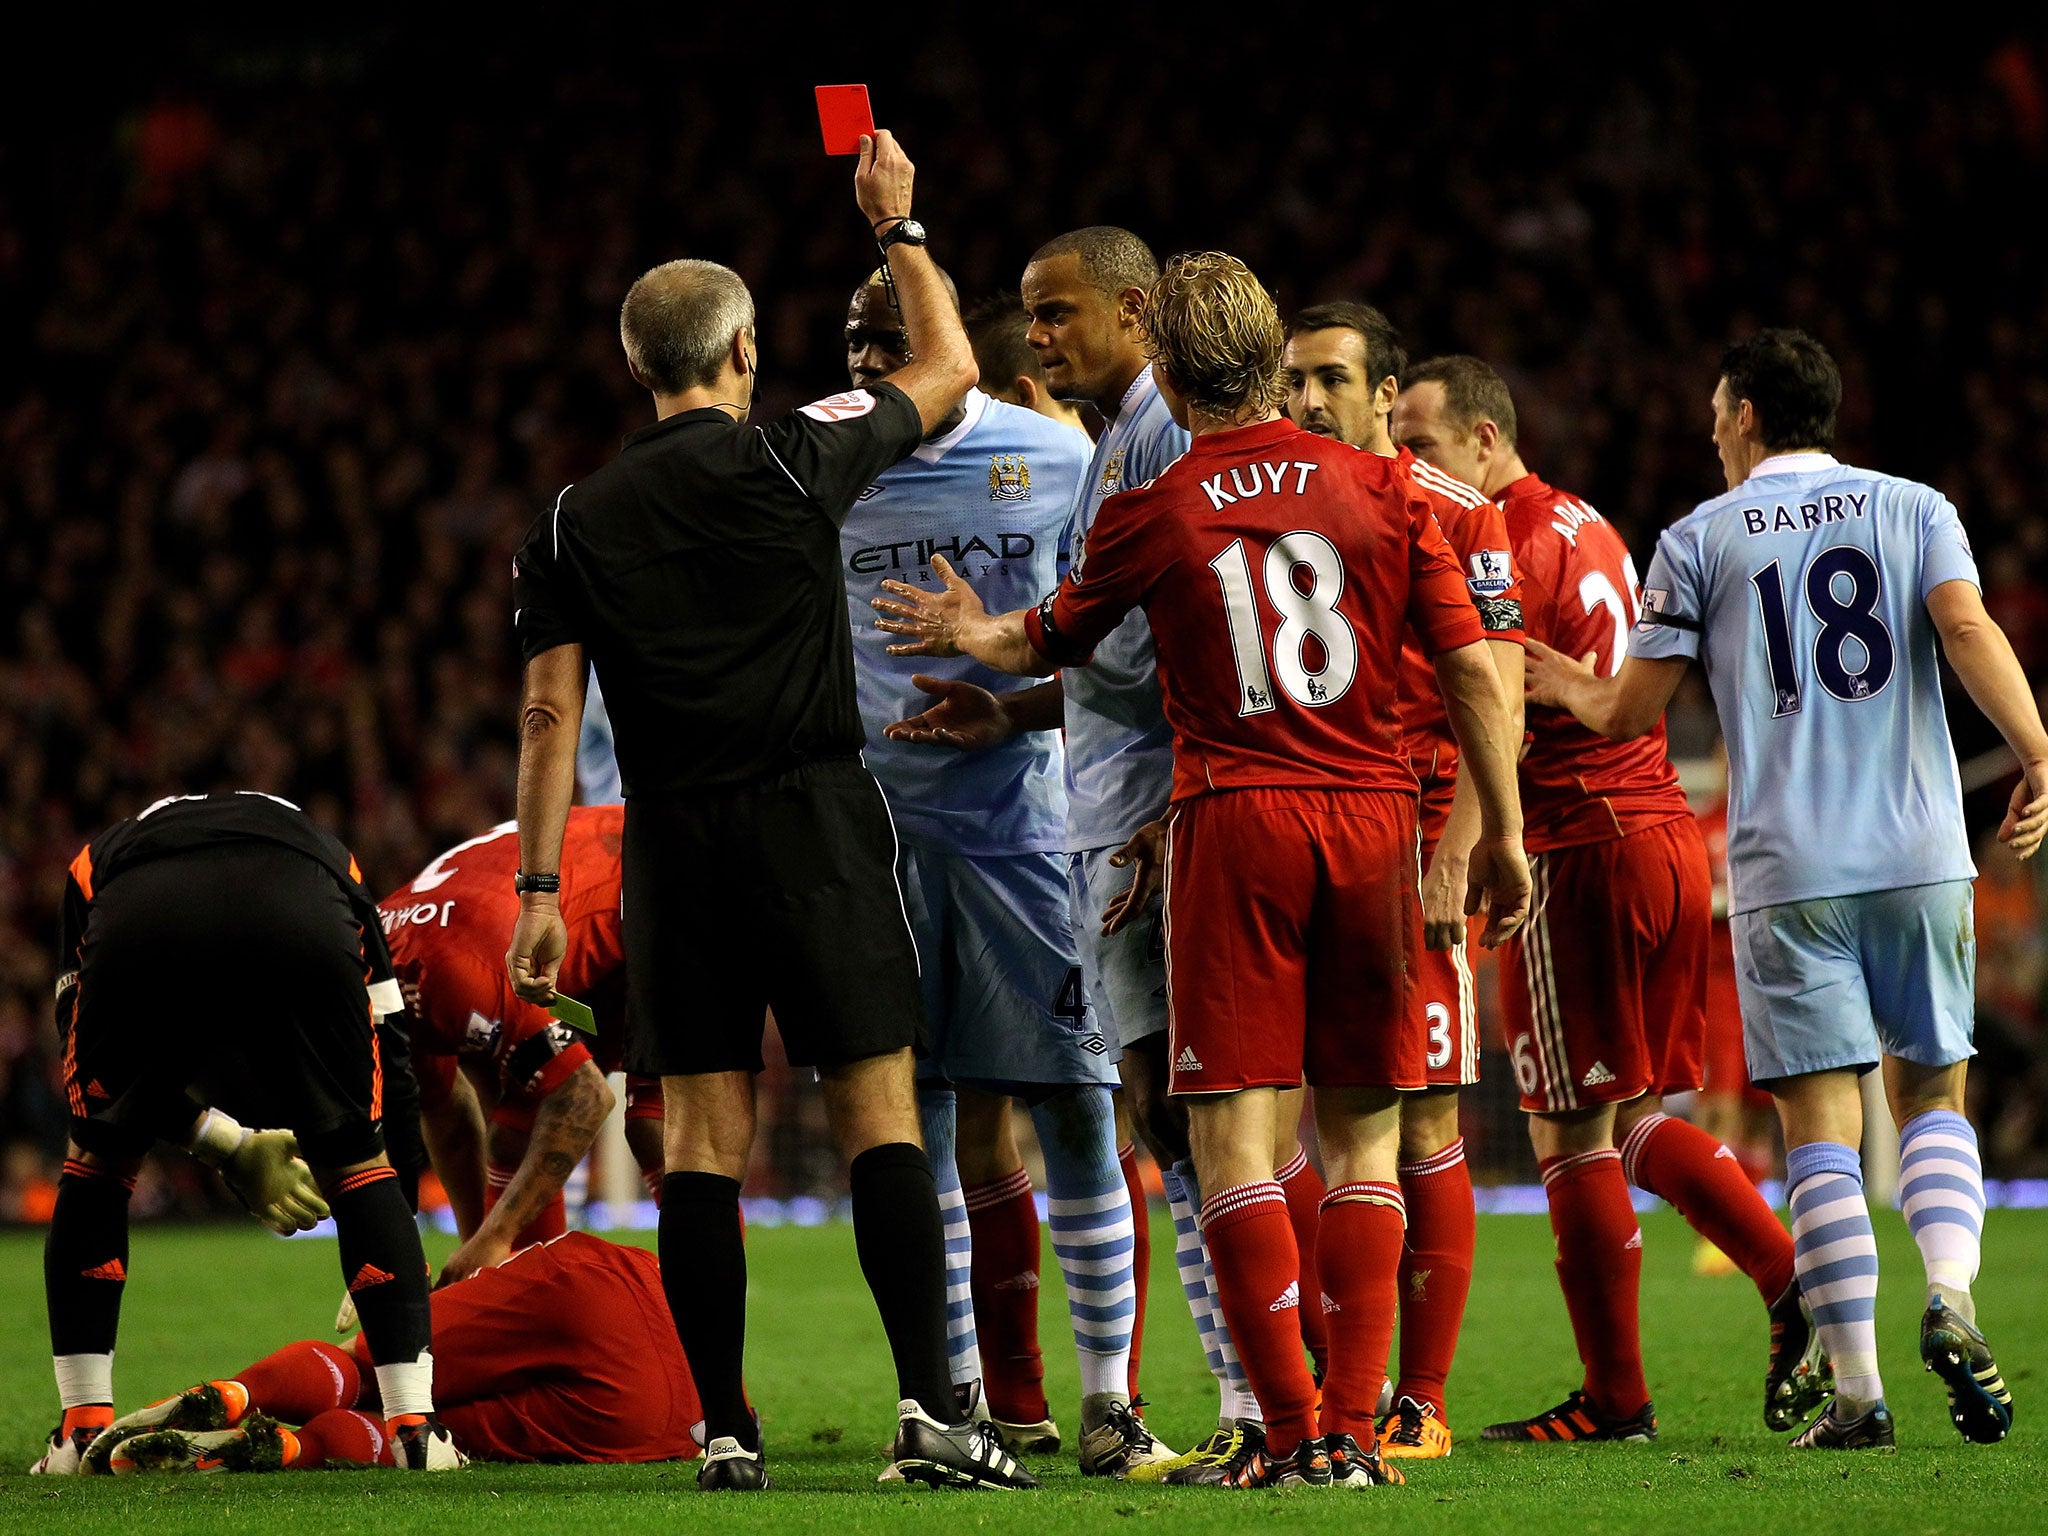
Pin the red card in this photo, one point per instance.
(843, 116)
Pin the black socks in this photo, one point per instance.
(902, 1243)
(85, 1260)
(383, 1265)
(704, 1273)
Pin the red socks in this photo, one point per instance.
(302, 1381)
(552, 1221)
(1003, 1222)
(1251, 1246)
(1436, 1270)
(1141, 1249)
(1361, 1260)
(1600, 1266)
(1687, 1169)
(338, 1437)
(1303, 1187)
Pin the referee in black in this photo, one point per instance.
(699, 573)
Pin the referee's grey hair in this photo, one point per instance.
(678, 322)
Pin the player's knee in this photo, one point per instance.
(1573, 1132)
(1429, 1123)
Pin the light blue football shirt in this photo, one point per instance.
(1804, 591)
(992, 496)
(597, 762)
(1119, 746)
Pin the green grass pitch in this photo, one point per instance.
(202, 1302)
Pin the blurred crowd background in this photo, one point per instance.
(300, 329)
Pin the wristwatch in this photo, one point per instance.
(522, 882)
(905, 232)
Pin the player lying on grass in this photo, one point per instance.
(1814, 593)
(564, 1352)
(1278, 572)
(223, 945)
(542, 1083)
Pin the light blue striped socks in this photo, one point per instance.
(935, 1113)
(1941, 1188)
(1835, 1257)
(1198, 1282)
(1092, 1233)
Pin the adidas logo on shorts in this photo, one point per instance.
(1635, 1241)
(1596, 1075)
(1291, 1297)
(1329, 1306)
(1187, 1061)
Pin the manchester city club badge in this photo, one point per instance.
(1009, 477)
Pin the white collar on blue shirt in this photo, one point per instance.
(1799, 462)
(938, 448)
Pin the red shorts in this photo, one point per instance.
(565, 1352)
(1443, 977)
(1290, 932)
(1604, 992)
(1727, 1069)
(1450, 1013)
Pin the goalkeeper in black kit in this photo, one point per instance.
(220, 962)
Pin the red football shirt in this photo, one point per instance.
(1473, 526)
(448, 930)
(1580, 594)
(1278, 571)
(564, 1352)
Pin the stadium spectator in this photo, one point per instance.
(365, 288)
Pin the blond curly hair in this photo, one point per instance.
(1212, 326)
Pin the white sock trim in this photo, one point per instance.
(84, 1380)
(407, 1387)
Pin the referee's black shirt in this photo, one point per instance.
(700, 572)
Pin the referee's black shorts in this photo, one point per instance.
(236, 971)
(779, 894)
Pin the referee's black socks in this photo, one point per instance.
(385, 1270)
(704, 1274)
(85, 1269)
(902, 1242)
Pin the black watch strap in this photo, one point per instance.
(522, 882)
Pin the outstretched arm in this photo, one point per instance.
(1622, 707)
(1983, 658)
(968, 719)
(953, 622)
(566, 1124)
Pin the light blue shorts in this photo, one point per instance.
(1126, 973)
(1840, 980)
(1004, 1001)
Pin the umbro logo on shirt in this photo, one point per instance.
(1187, 1061)
(1596, 1075)
(1291, 1297)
